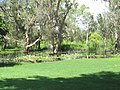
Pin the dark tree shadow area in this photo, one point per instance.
(96, 81)
(8, 64)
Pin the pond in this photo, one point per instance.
(15, 54)
(42, 55)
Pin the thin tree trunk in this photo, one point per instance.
(4, 44)
(87, 39)
(39, 40)
(39, 46)
(116, 41)
(26, 51)
(105, 46)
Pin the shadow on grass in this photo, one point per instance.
(8, 64)
(96, 81)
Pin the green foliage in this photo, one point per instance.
(29, 57)
(3, 27)
(41, 18)
(3, 31)
(94, 42)
(68, 45)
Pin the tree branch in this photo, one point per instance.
(30, 45)
(58, 5)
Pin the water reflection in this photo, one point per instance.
(15, 54)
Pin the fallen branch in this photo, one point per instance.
(30, 45)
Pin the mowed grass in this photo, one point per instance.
(82, 74)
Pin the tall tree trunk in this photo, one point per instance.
(39, 40)
(59, 30)
(105, 45)
(116, 41)
(52, 43)
(5, 44)
(87, 40)
(26, 50)
(58, 40)
(39, 46)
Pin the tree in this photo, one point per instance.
(56, 13)
(3, 27)
(103, 30)
(3, 30)
(24, 15)
(73, 30)
(94, 42)
(114, 8)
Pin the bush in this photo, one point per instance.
(67, 45)
(94, 42)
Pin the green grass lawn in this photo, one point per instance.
(82, 74)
